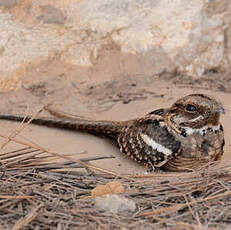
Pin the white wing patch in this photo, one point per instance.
(155, 146)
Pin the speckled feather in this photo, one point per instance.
(132, 143)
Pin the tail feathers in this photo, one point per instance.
(96, 127)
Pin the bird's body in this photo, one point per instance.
(185, 136)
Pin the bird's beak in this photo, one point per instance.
(220, 110)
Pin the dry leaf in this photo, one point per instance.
(114, 187)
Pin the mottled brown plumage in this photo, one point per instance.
(184, 137)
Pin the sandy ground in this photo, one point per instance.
(118, 98)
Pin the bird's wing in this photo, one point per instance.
(148, 141)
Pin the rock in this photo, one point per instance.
(115, 204)
(122, 37)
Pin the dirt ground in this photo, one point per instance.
(40, 191)
(90, 93)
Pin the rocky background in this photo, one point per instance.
(113, 38)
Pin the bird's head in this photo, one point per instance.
(195, 111)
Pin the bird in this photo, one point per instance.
(183, 137)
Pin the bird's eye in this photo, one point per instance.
(191, 108)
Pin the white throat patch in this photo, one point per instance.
(202, 131)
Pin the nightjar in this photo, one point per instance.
(185, 136)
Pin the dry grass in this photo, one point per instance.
(39, 192)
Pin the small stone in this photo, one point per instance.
(52, 15)
(115, 204)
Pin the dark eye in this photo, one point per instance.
(191, 108)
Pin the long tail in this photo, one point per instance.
(111, 128)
